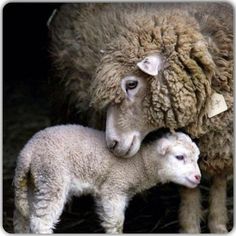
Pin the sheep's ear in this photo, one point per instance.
(151, 64)
(163, 145)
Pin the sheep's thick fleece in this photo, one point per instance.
(72, 160)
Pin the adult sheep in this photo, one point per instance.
(149, 66)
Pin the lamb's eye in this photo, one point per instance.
(179, 157)
(132, 84)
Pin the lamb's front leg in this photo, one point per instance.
(111, 209)
(190, 210)
(217, 218)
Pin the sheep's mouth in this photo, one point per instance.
(127, 154)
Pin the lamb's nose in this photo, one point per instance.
(113, 144)
(197, 177)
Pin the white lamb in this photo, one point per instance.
(71, 160)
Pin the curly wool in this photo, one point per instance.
(184, 84)
(212, 162)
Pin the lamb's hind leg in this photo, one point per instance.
(217, 218)
(20, 223)
(47, 205)
(190, 210)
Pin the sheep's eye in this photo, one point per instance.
(132, 84)
(179, 157)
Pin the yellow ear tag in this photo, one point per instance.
(217, 105)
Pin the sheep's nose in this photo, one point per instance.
(197, 177)
(112, 144)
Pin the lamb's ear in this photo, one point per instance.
(151, 64)
(163, 145)
(184, 137)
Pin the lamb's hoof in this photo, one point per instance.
(193, 230)
(218, 229)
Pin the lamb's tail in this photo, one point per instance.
(21, 183)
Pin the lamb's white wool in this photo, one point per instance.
(67, 160)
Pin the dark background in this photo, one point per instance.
(26, 109)
(25, 85)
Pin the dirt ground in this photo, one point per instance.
(26, 110)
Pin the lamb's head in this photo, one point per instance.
(146, 85)
(178, 156)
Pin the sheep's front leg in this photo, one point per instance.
(190, 210)
(111, 209)
(217, 218)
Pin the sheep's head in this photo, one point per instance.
(177, 157)
(158, 78)
(126, 124)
